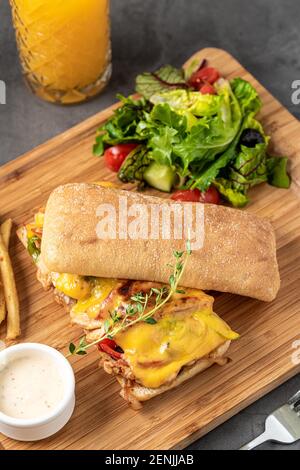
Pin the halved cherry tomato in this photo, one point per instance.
(115, 156)
(207, 89)
(204, 75)
(187, 195)
(109, 346)
(211, 196)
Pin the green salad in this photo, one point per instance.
(191, 130)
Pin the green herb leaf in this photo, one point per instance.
(139, 308)
(82, 342)
(131, 310)
(179, 267)
(178, 254)
(172, 280)
(180, 291)
(72, 348)
(138, 297)
(114, 315)
(156, 291)
(106, 326)
(151, 321)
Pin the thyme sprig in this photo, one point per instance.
(137, 310)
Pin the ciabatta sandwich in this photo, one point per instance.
(184, 336)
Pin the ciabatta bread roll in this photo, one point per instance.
(238, 253)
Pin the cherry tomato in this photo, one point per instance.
(109, 346)
(207, 89)
(186, 195)
(115, 156)
(211, 196)
(204, 75)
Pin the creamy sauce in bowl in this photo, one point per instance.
(31, 386)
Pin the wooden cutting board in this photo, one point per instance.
(261, 359)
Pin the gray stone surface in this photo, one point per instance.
(263, 35)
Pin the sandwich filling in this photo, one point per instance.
(183, 331)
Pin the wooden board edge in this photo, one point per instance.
(191, 438)
(52, 146)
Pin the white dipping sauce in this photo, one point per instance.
(30, 386)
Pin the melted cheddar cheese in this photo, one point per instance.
(37, 224)
(156, 353)
(72, 285)
(90, 293)
(91, 304)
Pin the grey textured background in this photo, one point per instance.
(264, 35)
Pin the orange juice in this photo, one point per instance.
(64, 47)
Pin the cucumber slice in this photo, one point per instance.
(160, 177)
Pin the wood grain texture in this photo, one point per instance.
(261, 359)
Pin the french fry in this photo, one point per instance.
(10, 290)
(2, 303)
(5, 230)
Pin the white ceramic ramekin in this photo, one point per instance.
(40, 428)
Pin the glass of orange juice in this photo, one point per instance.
(64, 47)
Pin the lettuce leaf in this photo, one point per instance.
(271, 169)
(166, 78)
(163, 114)
(246, 168)
(161, 145)
(192, 101)
(210, 173)
(211, 138)
(121, 127)
(277, 172)
(134, 165)
(246, 95)
(249, 168)
(162, 128)
(32, 248)
(226, 189)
